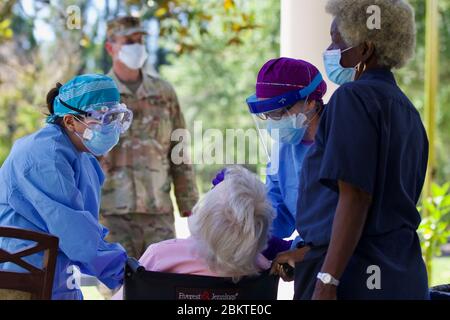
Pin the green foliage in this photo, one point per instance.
(6, 32)
(213, 81)
(441, 271)
(184, 23)
(435, 228)
(204, 40)
(411, 80)
(215, 48)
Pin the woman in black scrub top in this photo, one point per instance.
(362, 180)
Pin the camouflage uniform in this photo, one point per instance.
(136, 203)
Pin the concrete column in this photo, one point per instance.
(305, 33)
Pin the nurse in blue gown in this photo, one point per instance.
(51, 183)
(287, 104)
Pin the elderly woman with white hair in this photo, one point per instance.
(229, 228)
(366, 171)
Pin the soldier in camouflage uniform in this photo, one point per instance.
(136, 204)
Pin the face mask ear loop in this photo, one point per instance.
(358, 66)
(308, 121)
(345, 50)
(87, 133)
(317, 114)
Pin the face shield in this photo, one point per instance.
(280, 119)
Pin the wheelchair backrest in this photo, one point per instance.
(148, 285)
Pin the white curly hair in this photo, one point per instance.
(232, 224)
(394, 42)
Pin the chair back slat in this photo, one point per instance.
(36, 281)
(5, 256)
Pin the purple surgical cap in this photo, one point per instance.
(282, 75)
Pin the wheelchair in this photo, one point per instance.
(440, 292)
(140, 284)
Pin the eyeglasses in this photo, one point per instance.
(279, 114)
(275, 115)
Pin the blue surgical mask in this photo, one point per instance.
(289, 130)
(100, 139)
(335, 71)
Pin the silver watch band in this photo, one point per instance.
(327, 278)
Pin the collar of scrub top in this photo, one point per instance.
(263, 106)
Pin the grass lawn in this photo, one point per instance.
(441, 271)
(91, 293)
(441, 275)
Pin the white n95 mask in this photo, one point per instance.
(133, 55)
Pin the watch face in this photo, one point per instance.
(327, 278)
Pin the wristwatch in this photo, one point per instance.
(327, 278)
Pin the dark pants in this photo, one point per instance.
(306, 274)
(398, 258)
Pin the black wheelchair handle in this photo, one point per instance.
(134, 265)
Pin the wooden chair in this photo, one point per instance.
(35, 284)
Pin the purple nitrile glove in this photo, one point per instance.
(275, 246)
(219, 178)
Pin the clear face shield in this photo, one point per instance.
(282, 120)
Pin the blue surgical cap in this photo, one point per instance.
(85, 92)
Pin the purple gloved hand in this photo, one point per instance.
(275, 246)
(219, 177)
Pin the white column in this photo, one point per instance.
(305, 33)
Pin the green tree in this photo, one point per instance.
(434, 229)
(214, 49)
(28, 69)
(213, 81)
(411, 80)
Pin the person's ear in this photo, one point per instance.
(367, 51)
(69, 122)
(311, 104)
(109, 48)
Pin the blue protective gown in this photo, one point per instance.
(283, 188)
(49, 186)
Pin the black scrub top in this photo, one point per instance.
(370, 136)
